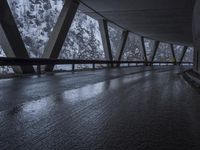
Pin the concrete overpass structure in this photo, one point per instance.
(162, 20)
(165, 20)
(174, 22)
(146, 107)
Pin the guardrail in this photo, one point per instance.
(5, 61)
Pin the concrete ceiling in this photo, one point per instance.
(163, 20)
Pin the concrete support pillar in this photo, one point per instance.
(155, 48)
(196, 36)
(173, 54)
(59, 33)
(121, 45)
(196, 58)
(143, 49)
(10, 38)
(185, 48)
(105, 39)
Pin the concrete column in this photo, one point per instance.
(185, 48)
(59, 33)
(10, 38)
(196, 36)
(103, 25)
(173, 54)
(121, 45)
(155, 48)
(143, 48)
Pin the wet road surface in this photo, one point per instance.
(117, 109)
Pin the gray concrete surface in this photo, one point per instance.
(119, 109)
(163, 20)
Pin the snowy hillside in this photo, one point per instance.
(36, 19)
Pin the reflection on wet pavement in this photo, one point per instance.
(138, 108)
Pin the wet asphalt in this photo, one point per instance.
(137, 108)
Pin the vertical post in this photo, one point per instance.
(122, 44)
(38, 69)
(73, 67)
(196, 36)
(144, 50)
(173, 54)
(93, 66)
(10, 38)
(105, 39)
(59, 33)
(183, 54)
(155, 48)
(196, 56)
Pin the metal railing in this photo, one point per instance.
(5, 61)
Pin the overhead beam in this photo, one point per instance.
(10, 38)
(173, 54)
(143, 49)
(122, 44)
(60, 31)
(155, 48)
(103, 25)
(185, 48)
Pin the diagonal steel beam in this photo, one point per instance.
(173, 54)
(59, 33)
(155, 48)
(122, 45)
(10, 38)
(185, 48)
(103, 25)
(143, 49)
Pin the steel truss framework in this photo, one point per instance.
(10, 38)
(13, 45)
